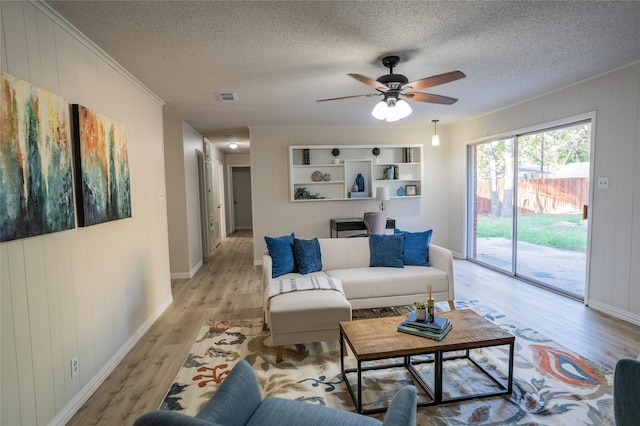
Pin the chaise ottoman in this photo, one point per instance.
(308, 313)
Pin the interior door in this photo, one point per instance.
(214, 212)
(241, 178)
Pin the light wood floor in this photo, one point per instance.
(228, 287)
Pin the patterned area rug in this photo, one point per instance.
(552, 386)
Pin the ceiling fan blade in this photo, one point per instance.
(349, 97)
(428, 97)
(435, 80)
(370, 82)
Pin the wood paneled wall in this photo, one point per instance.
(89, 292)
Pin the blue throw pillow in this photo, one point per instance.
(281, 252)
(386, 250)
(416, 247)
(307, 254)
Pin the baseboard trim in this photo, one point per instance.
(187, 275)
(65, 415)
(614, 312)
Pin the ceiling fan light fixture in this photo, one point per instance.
(380, 110)
(391, 109)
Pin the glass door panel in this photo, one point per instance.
(552, 190)
(491, 204)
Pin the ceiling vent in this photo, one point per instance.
(227, 96)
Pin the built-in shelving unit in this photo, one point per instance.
(316, 173)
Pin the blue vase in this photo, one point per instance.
(360, 182)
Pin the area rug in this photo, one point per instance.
(552, 385)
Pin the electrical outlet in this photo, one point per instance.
(603, 182)
(75, 368)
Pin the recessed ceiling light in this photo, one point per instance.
(227, 96)
(233, 145)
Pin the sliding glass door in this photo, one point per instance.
(528, 199)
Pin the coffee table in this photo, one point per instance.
(378, 338)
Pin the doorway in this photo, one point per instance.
(528, 198)
(241, 193)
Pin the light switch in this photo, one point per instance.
(603, 182)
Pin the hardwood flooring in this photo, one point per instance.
(229, 287)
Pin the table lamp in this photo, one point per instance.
(382, 195)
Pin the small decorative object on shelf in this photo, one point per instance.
(421, 311)
(303, 194)
(335, 152)
(360, 182)
(354, 187)
(411, 189)
(376, 152)
(388, 173)
(400, 192)
(306, 157)
(316, 176)
(396, 172)
(407, 155)
(326, 177)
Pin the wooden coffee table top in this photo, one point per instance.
(379, 338)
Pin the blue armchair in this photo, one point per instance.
(626, 392)
(238, 402)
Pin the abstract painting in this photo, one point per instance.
(36, 173)
(102, 168)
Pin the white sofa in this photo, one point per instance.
(365, 287)
(314, 316)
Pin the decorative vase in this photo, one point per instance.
(388, 173)
(360, 182)
(421, 314)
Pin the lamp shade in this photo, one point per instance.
(382, 194)
(435, 140)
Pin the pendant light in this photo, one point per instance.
(435, 139)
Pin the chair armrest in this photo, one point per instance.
(441, 258)
(236, 399)
(267, 270)
(169, 418)
(402, 410)
(626, 392)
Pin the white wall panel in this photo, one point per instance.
(15, 39)
(22, 333)
(37, 300)
(33, 44)
(86, 292)
(10, 397)
(54, 326)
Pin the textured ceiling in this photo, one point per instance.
(280, 57)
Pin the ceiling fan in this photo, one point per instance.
(396, 88)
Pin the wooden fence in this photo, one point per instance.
(566, 195)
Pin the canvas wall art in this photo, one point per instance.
(102, 168)
(36, 172)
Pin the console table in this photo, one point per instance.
(352, 224)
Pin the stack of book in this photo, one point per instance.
(433, 330)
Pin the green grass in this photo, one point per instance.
(565, 232)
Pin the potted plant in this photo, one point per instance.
(421, 311)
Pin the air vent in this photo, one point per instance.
(227, 96)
